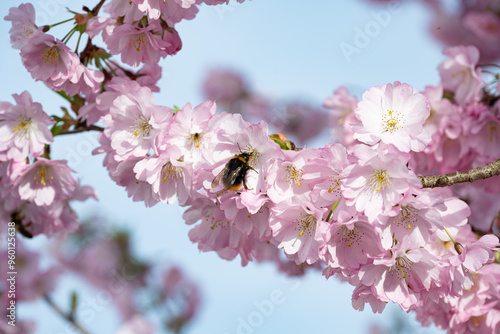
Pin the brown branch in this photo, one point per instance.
(472, 175)
(97, 8)
(64, 315)
(87, 128)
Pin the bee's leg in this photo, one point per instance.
(245, 184)
(222, 191)
(253, 169)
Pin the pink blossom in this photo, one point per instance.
(96, 24)
(46, 181)
(24, 128)
(185, 294)
(479, 253)
(169, 177)
(296, 224)
(393, 114)
(483, 24)
(416, 217)
(193, 131)
(342, 105)
(123, 174)
(284, 177)
(484, 205)
(55, 219)
(104, 101)
(84, 80)
(185, 3)
(378, 181)
(23, 24)
(49, 60)
(140, 44)
(460, 74)
(125, 8)
(223, 86)
(135, 124)
(363, 294)
(216, 232)
(322, 174)
(401, 276)
(298, 120)
(170, 10)
(483, 127)
(352, 242)
(148, 76)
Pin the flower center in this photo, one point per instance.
(196, 139)
(307, 224)
(406, 217)
(254, 155)
(28, 31)
(24, 126)
(402, 267)
(334, 184)
(43, 175)
(349, 236)
(139, 42)
(392, 121)
(170, 172)
(51, 55)
(379, 180)
(141, 127)
(292, 174)
(217, 223)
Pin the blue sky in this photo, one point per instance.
(287, 50)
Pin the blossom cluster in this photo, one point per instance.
(35, 192)
(355, 209)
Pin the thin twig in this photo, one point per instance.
(84, 129)
(64, 315)
(472, 175)
(97, 8)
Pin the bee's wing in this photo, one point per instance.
(233, 175)
(218, 179)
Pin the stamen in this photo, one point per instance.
(392, 121)
(402, 267)
(293, 174)
(379, 180)
(171, 172)
(307, 225)
(141, 127)
(196, 139)
(51, 55)
(350, 236)
(334, 184)
(406, 217)
(216, 223)
(43, 175)
(139, 42)
(24, 126)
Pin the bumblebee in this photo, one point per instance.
(233, 176)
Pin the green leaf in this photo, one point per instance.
(56, 129)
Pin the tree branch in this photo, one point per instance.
(472, 175)
(87, 128)
(64, 315)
